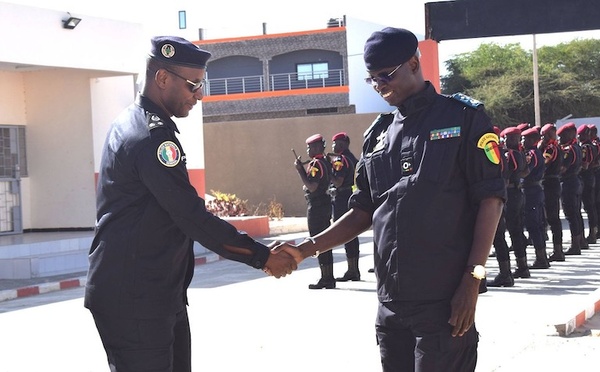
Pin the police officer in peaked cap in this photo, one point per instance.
(149, 215)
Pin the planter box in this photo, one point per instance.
(255, 226)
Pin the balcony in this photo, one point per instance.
(277, 82)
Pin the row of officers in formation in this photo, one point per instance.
(546, 169)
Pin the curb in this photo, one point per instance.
(591, 308)
(11, 294)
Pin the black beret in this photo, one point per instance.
(389, 47)
(178, 51)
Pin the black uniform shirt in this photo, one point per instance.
(554, 154)
(343, 165)
(148, 215)
(317, 170)
(536, 166)
(422, 173)
(572, 160)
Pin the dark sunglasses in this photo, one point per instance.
(382, 77)
(193, 85)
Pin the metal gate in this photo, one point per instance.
(10, 179)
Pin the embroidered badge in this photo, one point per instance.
(380, 145)
(167, 50)
(168, 154)
(437, 134)
(489, 144)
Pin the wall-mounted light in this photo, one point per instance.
(71, 22)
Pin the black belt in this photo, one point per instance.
(513, 186)
(551, 176)
(342, 189)
(529, 184)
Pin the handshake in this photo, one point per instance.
(284, 258)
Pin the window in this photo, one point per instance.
(182, 20)
(12, 151)
(310, 71)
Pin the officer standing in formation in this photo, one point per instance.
(513, 167)
(589, 154)
(343, 164)
(534, 196)
(429, 183)
(553, 158)
(149, 215)
(571, 187)
(315, 183)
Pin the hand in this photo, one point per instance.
(290, 249)
(298, 164)
(280, 265)
(462, 305)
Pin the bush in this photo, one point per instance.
(226, 205)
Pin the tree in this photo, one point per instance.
(502, 77)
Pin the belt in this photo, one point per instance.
(513, 186)
(551, 176)
(342, 189)
(529, 184)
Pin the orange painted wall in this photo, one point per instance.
(430, 62)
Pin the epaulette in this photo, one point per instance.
(154, 121)
(467, 101)
(382, 119)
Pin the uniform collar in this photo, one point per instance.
(418, 101)
(151, 107)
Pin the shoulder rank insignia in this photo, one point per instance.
(437, 134)
(154, 121)
(466, 100)
(168, 154)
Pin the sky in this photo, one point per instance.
(233, 18)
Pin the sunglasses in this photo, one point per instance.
(193, 85)
(382, 77)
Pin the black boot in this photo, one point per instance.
(327, 281)
(522, 270)
(557, 254)
(541, 259)
(591, 239)
(482, 286)
(583, 243)
(575, 249)
(504, 278)
(353, 273)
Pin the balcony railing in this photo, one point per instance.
(253, 84)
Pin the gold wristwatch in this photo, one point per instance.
(477, 271)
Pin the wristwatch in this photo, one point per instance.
(477, 271)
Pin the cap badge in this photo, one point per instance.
(167, 50)
(168, 154)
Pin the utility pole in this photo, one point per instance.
(536, 86)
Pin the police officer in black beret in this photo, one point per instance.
(149, 215)
(429, 181)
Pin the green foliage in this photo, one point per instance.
(502, 77)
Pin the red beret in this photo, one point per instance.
(340, 135)
(497, 130)
(582, 128)
(314, 138)
(531, 131)
(547, 127)
(510, 130)
(592, 127)
(566, 127)
(523, 126)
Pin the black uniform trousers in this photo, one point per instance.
(534, 215)
(552, 207)
(514, 220)
(588, 197)
(500, 245)
(149, 345)
(414, 336)
(597, 194)
(340, 207)
(318, 218)
(571, 203)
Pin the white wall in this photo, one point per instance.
(97, 43)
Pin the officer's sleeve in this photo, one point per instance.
(361, 197)
(481, 155)
(170, 185)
